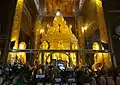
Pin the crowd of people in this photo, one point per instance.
(25, 74)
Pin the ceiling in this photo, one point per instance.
(67, 7)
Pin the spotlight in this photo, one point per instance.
(58, 13)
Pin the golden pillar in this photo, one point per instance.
(37, 36)
(37, 40)
(102, 25)
(17, 23)
(16, 29)
(81, 40)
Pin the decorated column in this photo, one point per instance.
(17, 23)
(81, 40)
(16, 29)
(102, 25)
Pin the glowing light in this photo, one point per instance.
(41, 30)
(58, 13)
(98, 2)
(96, 46)
(45, 9)
(73, 10)
(84, 28)
(22, 45)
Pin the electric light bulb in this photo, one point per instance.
(58, 13)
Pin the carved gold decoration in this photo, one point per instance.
(22, 55)
(66, 6)
(59, 36)
(101, 59)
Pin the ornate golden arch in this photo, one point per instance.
(61, 52)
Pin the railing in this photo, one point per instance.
(35, 50)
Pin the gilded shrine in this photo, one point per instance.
(59, 36)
